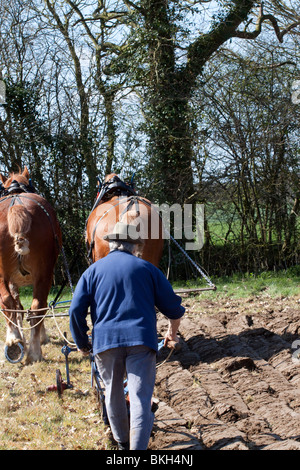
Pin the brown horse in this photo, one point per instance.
(30, 241)
(117, 201)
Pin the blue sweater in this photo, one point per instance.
(122, 292)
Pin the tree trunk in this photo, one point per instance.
(170, 137)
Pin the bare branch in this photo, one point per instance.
(230, 54)
(261, 19)
(79, 13)
(107, 16)
(132, 6)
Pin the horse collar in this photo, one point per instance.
(16, 188)
(115, 187)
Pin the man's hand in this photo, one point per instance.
(85, 351)
(171, 335)
(170, 339)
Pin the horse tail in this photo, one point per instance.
(19, 224)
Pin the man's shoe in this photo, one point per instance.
(123, 445)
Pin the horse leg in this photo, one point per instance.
(14, 333)
(14, 290)
(38, 333)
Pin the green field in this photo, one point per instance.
(275, 284)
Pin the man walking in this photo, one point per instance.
(122, 291)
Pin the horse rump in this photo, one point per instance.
(19, 224)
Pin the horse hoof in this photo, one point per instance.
(31, 358)
(14, 353)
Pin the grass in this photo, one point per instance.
(33, 418)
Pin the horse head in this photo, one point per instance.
(16, 182)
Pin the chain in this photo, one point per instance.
(196, 265)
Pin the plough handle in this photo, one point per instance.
(170, 344)
(174, 345)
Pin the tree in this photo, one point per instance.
(112, 85)
(153, 46)
(170, 78)
(250, 125)
(85, 143)
(95, 22)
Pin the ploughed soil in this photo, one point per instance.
(235, 383)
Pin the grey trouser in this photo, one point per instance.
(139, 362)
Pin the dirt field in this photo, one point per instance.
(235, 384)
